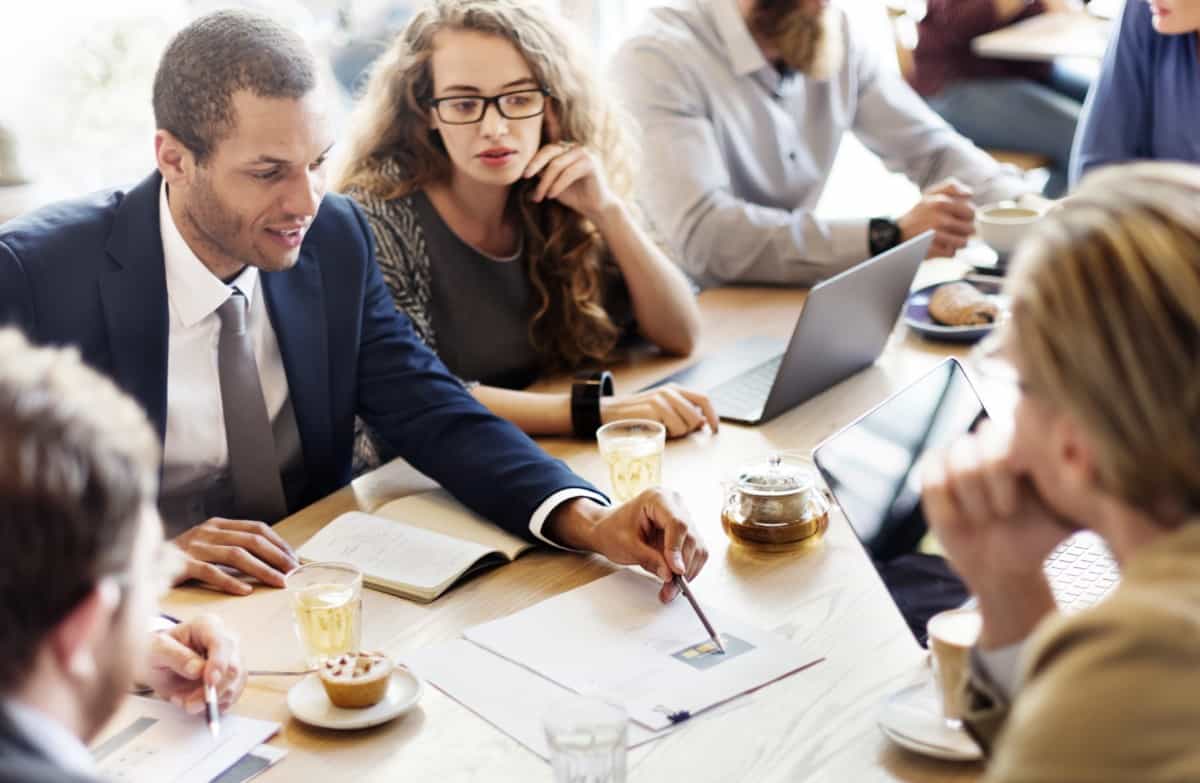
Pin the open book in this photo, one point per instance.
(414, 547)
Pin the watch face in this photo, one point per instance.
(883, 235)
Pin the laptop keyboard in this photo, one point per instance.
(1081, 572)
(743, 396)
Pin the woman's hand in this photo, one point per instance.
(573, 176)
(680, 410)
(996, 531)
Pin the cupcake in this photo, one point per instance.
(356, 680)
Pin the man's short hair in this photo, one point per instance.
(78, 462)
(216, 56)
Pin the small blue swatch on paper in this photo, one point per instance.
(705, 654)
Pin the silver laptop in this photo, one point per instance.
(870, 467)
(842, 328)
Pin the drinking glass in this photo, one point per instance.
(952, 633)
(327, 609)
(587, 740)
(633, 449)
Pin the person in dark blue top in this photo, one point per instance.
(1146, 103)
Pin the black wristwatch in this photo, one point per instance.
(585, 401)
(882, 234)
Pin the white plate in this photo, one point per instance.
(912, 718)
(308, 702)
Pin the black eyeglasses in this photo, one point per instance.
(468, 109)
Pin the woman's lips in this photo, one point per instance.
(497, 158)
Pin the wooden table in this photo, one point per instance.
(816, 725)
(1047, 37)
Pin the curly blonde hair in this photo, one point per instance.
(1106, 321)
(565, 253)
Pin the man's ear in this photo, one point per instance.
(78, 634)
(175, 161)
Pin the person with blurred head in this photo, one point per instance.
(242, 307)
(744, 104)
(82, 568)
(1104, 341)
(1146, 102)
(495, 174)
(1013, 105)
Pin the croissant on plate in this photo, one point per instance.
(962, 304)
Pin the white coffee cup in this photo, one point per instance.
(1002, 225)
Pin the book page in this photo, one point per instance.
(440, 512)
(393, 553)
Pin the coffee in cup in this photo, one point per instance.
(1002, 225)
(952, 634)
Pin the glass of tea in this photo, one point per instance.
(327, 609)
(633, 449)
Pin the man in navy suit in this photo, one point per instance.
(242, 307)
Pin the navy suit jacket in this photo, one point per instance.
(91, 273)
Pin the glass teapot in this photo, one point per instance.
(775, 504)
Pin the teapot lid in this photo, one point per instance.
(777, 475)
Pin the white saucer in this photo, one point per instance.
(912, 718)
(308, 702)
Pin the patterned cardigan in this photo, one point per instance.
(403, 257)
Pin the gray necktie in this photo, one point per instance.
(253, 468)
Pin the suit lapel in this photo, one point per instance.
(296, 305)
(134, 292)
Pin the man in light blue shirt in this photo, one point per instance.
(743, 105)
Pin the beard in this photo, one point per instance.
(220, 231)
(807, 41)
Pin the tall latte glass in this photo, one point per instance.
(951, 635)
(327, 609)
(633, 449)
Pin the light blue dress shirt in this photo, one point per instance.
(736, 155)
(1146, 103)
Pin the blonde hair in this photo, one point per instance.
(392, 152)
(1106, 317)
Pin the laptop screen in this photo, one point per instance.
(871, 467)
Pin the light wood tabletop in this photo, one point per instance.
(1047, 37)
(816, 725)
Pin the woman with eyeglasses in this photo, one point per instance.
(1105, 343)
(494, 173)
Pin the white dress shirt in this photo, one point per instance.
(53, 739)
(195, 452)
(738, 155)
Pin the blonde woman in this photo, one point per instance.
(493, 173)
(1105, 341)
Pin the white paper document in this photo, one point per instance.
(151, 741)
(613, 638)
(510, 697)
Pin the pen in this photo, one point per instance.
(212, 711)
(682, 584)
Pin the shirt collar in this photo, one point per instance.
(194, 292)
(744, 54)
(53, 739)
